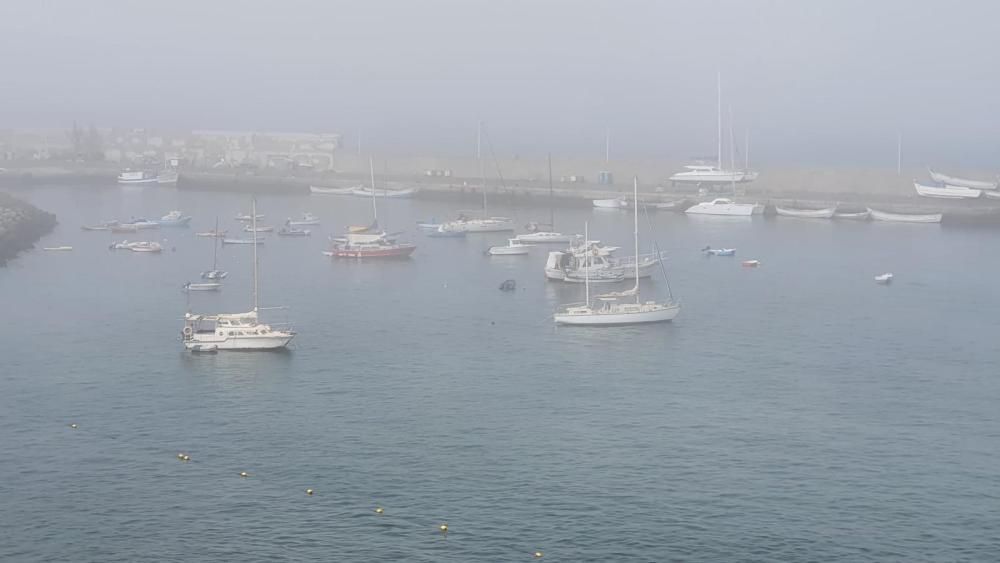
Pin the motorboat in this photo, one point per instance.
(616, 203)
(709, 251)
(209, 286)
(129, 176)
(320, 190)
(134, 225)
(707, 174)
(445, 231)
(592, 256)
(249, 229)
(586, 275)
(751, 263)
(480, 225)
(805, 213)
(292, 232)
(240, 331)
(961, 182)
(905, 217)
(306, 220)
(946, 191)
(211, 234)
(431, 225)
(617, 308)
(513, 247)
(721, 206)
(364, 245)
(386, 193)
(137, 246)
(884, 279)
(257, 240)
(243, 217)
(547, 237)
(214, 274)
(103, 226)
(174, 219)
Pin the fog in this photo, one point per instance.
(822, 82)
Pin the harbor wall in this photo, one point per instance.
(21, 225)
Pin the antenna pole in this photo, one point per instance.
(586, 245)
(635, 231)
(253, 223)
(371, 169)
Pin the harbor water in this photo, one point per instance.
(793, 412)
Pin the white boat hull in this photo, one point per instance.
(806, 213)
(905, 217)
(961, 182)
(367, 192)
(728, 209)
(619, 314)
(508, 250)
(610, 203)
(719, 177)
(546, 237)
(992, 195)
(946, 192)
(491, 225)
(853, 216)
(272, 341)
(318, 190)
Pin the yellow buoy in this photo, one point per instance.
(244, 474)
(73, 426)
(538, 555)
(443, 528)
(309, 492)
(379, 510)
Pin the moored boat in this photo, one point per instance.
(961, 182)
(853, 215)
(167, 177)
(750, 263)
(547, 237)
(884, 279)
(369, 192)
(292, 232)
(58, 248)
(709, 251)
(721, 206)
(208, 286)
(306, 220)
(805, 213)
(444, 231)
(946, 191)
(211, 234)
(249, 229)
(905, 217)
(258, 240)
(512, 248)
(174, 219)
(615, 203)
(129, 176)
(363, 245)
(320, 190)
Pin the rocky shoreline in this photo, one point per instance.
(21, 225)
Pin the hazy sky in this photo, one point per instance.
(815, 81)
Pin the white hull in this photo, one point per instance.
(143, 181)
(905, 217)
(203, 287)
(610, 203)
(508, 250)
(618, 314)
(961, 182)
(708, 177)
(546, 237)
(853, 216)
(645, 271)
(806, 213)
(330, 191)
(992, 195)
(722, 207)
(947, 192)
(367, 192)
(271, 341)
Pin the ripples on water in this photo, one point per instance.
(795, 412)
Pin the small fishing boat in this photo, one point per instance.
(751, 263)
(946, 191)
(595, 276)
(513, 247)
(58, 248)
(709, 251)
(362, 245)
(249, 229)
(306, 220)
(905, 217)
(129, 176)
(102, 226)
(209, 286)
(139, 246)
(805, 213)
(320, 190)
(992, 194)
(291, 232)
(174, 219)
(961, 182)
(386, 193)
(546, 237)
(431, 225)
(721, 206)
(853, 215)
(247, 218)
(258, 240)
(214, 275)
(884, 279)
(616, 203)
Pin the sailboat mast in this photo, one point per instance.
(215, 246)
(607, 145)
(371, 169)
(719, 118)
(552, 213)
(482, 170)
(586, 271)
(253, 223)
(732, 151)
(746, 163)
(635, 231)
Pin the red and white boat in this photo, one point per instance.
(363, 245)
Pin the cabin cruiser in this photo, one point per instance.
(722, 206)
(572, 262)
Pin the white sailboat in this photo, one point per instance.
(538, 235)
(961, 182)
(486, 224)
(514, 247)
(713, 174)
(612, 309)
(235, 331)
(215, 273)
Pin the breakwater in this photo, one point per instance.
(21, 225)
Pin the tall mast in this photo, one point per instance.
(607, 145)
(586, 271)
(635, 231)
(899, 154)
(253, 223)
(732, 151)
(371, 169)
(482, 171)
(359, 141)
(552, 213)
(215, 246)
(746, 163)
(719, 118)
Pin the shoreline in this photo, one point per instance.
(21, 226)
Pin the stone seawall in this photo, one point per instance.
(21, 225)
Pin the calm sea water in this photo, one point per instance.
(794, 412)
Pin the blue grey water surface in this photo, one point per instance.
(792, 412)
